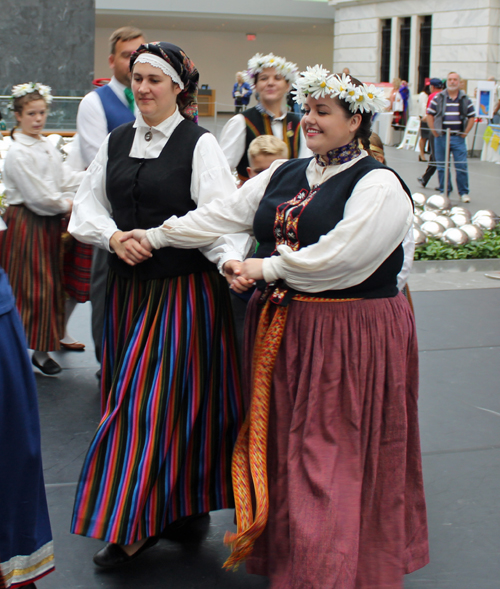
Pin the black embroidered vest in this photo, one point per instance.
(145, 192)
(292, 212)
(258, 123)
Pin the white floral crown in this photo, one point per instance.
(318, 82)
(261, 62)
(29, 88)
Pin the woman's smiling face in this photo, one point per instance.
(271, 86)
(326, 125)
(154, 92)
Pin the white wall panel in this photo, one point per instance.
(218, 56)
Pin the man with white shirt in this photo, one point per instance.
(99, 113)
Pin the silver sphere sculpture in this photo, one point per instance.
(418, 199)
(419, 236)
(433, 229)
(487, 223)
(474, 232)
(455, 236)
(461, 211)
(484, 213)
(445, 221)
(460, 219)
(428, 216)
(437, 202)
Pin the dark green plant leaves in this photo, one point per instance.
(434, 249)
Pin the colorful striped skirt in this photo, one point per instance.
(172, 408)
(30, 253)
(26, 547)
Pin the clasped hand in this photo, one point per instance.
(133, 247)
(242, 275)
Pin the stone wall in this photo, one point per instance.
(465, 37)
(48, 41)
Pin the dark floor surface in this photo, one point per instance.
(459, 337)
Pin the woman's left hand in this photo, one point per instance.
(252, 269)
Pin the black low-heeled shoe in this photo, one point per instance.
(50, 366)
(112, 555)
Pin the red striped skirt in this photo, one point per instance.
(346, 497)
(30, 253)
(76, 268)
(172, 408)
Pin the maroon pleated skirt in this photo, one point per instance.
(30, 253)
(347, 507)
(77, 265)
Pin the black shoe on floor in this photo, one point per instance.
(112, 555)
(49, 367)
(421, 182)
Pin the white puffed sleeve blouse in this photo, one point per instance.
(92, 221)
(36, 176)
(377, 216)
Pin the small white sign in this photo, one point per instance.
(485, 99)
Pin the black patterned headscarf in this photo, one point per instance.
(187, 99)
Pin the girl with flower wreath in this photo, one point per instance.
(269, 77)
(40, 188)
(327, 468)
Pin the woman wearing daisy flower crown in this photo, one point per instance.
(40, 188)
(330, 449)
(270, 77)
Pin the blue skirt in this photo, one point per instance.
(26, 548)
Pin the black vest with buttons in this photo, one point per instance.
(320, 216)
(254, 127)
(145, 192)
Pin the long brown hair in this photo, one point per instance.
(377, 147)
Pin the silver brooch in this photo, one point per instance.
(148, 136)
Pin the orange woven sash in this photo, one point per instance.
(250, 451)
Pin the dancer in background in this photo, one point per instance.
(331, 439)
(270, 77)
(40, 188)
